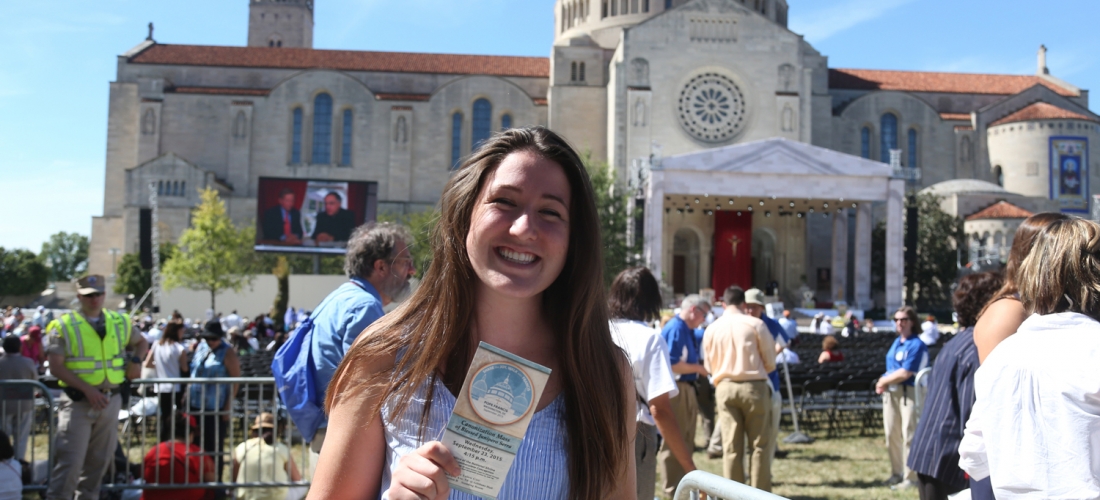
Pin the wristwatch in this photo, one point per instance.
(135, 359)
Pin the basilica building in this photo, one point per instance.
(752, 161)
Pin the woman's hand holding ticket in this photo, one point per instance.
(423, 474)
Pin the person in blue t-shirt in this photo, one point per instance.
(378, 265)
(907, 356)
(684, 356)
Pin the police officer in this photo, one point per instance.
(87, 354)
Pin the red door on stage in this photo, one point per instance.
(732, 251)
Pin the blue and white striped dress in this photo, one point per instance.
(541, 468)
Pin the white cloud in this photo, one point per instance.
(819, 25)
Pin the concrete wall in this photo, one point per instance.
(306, 291)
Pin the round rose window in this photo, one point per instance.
(711, 108)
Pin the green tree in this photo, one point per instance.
(614, 211)
(66, 255)
(421, 225)
(133, 279)
(213, 254)
(938, 235)
(21, 273)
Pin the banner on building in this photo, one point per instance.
(1069, 173)
(311, 216)
(732, 250)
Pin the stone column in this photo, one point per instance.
(895, 245)
(654, 224)
(863, 257)
(840, 256)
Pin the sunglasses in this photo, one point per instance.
(901, 320)
(92, 295)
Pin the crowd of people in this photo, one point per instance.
(1013, 398)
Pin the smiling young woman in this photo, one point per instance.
(517, 264)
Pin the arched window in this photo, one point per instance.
(966, 148)
(456, 139)
(183, 188)
(999, 176)
(160, 188)
(345, 139)
(645, 5)
(506, 121)
(175, 189)
(889, 127)
(911, 141)
(482, 124)
(603, 9)
(322, 129)
(573, 71)
(865, 142)
(580, 73)
(296, 137)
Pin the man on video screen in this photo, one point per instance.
(283, 222)
(333, 223)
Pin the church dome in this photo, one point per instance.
(962, 186)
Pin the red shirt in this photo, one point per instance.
(178, 464)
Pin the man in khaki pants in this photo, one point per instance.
(739, 352)
(88, 353)
(679, 335)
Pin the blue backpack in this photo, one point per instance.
(296, 380)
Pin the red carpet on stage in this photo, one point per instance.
(732, 251)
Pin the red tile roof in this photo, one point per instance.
(955, 116)
(927, 81)
(218, 90)
(348, 60)
(1001, 210)
(1041, 111)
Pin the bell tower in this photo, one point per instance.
(280, 23)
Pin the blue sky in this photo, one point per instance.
(59, 56)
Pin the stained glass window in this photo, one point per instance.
(889, 136)
(296, 138)
(345, 140)
(322, 129)
(482, 126)
(456, 139)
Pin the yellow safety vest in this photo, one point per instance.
(91, 358)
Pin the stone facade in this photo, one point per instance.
(628, 81)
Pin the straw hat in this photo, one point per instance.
(264, 419)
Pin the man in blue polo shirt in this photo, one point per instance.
(907, 356)
(683, 354)
(378, 265)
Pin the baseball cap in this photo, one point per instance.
(754, 296)
(92, 283)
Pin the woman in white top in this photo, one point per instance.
(1034, 427)
(634, 303)
(168, 356)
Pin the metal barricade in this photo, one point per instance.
(920, 388)
(27, 416)
(699, 485)
(221, 429)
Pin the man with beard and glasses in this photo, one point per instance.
(379, 266)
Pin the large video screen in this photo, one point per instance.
(311, 216)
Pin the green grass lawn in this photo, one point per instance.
(843, 467)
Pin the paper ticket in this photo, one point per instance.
(491, 415)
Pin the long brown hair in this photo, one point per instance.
(1022, 242)
(429, 334)
(1062, 273)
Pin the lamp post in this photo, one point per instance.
(114, 260)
